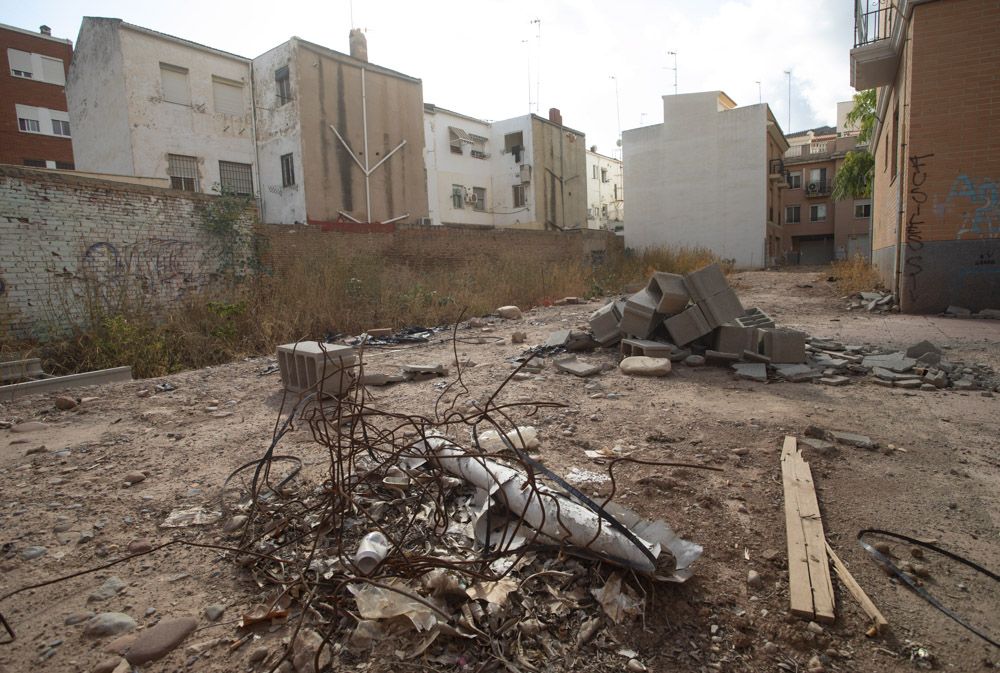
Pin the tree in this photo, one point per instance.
(855, 176)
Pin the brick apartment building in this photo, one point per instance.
(34, 122)
(936, 142)
(821, 229)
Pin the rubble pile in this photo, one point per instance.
(879, 302)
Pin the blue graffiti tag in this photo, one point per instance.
(981, 219)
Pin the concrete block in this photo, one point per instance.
(754, 356)
(604, 324)
(687, 326)
(754, 317)
(735, 339)
(674, 296)
(653, 349)
(313, 366)
(706, 282)
(557, 338)
(753, 371)
(721, 308)
(784, 345)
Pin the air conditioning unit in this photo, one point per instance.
(471, 197)
(425, 221)
(525, 173)
(812, 188)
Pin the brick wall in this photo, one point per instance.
(15, 145)
(58, 231)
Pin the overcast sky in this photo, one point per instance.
(474, 56)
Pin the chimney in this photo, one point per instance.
(44, 30)
(555, 116)
(593, 148)
(359, 45)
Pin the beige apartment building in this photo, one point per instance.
(819, 228)
(936, 201)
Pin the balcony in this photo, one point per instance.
(776, 170)
(875, 56)
(817, 188)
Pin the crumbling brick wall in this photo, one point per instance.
(67, 240)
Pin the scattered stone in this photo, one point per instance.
(29, 426)
(134, 477)
(110, 588)
(834, 380)
(908, 384)
(214, 612)
(109, 665)
(258, 655)
(37, 449)
(920, 570)
(853, 439)
(77, 618)
(694, 361)
(755, 371)
(936, 378)
(964, 384)
(960, 311)
(754, 580)
(813, 627)
(108, 624)
(510, 312)
(921, 349)
(33, 552)
(160, 640)
(139, 546)
(66, 403)
(742, 451)
(642, 365)
(820, 445)
(517, 338)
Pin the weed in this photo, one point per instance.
(855, 274)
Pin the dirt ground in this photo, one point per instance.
(935, 477)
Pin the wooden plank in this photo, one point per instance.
(800, 589)
(812, 527)
(859, 594)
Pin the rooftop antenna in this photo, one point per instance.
(618, 109)
(527, 49)
(759, 97)
(788, 74)
(350, 3)
(538, 77)
(674, 54)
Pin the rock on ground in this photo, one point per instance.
(109, 624)
(641, 365)
(160, 640)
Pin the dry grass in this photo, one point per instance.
(855, 275)
(322, 295)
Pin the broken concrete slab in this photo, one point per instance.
(557, 338)
(834, 380)
(929, 359)
(819, 444)
(375, 379)
(918, 350)
(571, 365)
(827, 362)
(641, 365)
(887, 375)
(796, 372)
(686, 326)
(960, 311)
(989, 314)
(908, 384)
(580, 341)
(424, 372)
(895, 362)
(754, 371)
(853, 439)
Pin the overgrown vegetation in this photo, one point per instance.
(324, 293)
(855, 274)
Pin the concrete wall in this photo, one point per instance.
(507, 172)
(330, 93)
(59, 230)
(947, 169)
(97, 100)
(700, 179)
(605, 192)
(279, 132)
(559, 173)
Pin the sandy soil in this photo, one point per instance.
(939, 480)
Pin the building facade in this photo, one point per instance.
(709, 176)
(935, 209)
(314, 134)
(34, 121)
(526, 172)
(605, 192)
(819, 228)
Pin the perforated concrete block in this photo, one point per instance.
(754, 317)
(706, 282)
(687, 326)
(721, 308)
(640, 317)
(784, 345)
(653, 349)
(674, 296)
(313, 366)
(604, 324)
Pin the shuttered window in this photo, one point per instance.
(228, 96)
(175, 84)
(20, 63)
(52, 71)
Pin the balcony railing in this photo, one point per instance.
(873, 21)
(776, 167)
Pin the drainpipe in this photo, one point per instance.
(256, 148)
(902, 163)
(364, 124)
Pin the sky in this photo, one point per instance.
(605, 65)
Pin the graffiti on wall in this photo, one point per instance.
(167, 268)
(977, 201)
(914, 264)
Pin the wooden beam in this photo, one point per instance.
(810, 586)
(859, 594)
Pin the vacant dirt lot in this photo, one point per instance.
(936, 476)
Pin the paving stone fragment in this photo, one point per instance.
(908, 384)
(641, 365)
(834, 380)
(936, 378)
(754, 371)
(796, 372)
(571, 365)
(895, 362)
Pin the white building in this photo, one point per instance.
(605, 192)
(708, 176)
(148, 104)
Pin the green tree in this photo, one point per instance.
(855, 176)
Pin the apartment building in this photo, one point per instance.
(526, 172)
(314, 134)
(605, 192)
(34, 121)
(709, 176)
(935, 208)
(820, 229)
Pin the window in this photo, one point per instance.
(519, 198)
(60, 127)
(65, 165)
(283, 84)
(228, 96)
(478, 150)
(20, 63)
(236, 178)
(53, 71)
(183, 172)
(817, 213)
(792, 215)
(795, 180)
(175, 84)
(862, 209)
(456, 137)
(514, 143)
(594, 172)
(29, 125)
(457, 197)
(34, 163)
(480, 198)
(287, 170)
(604, 175)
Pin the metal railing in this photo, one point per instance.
(776, 167)
(873, 20)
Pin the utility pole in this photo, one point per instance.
(788, 74)
(674, 54)
(538, 77)
(759, 97)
